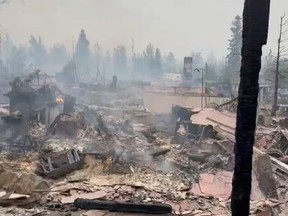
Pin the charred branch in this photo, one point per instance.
(122, 207)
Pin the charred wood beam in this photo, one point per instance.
(61, 165)
(202, 157)
(122, 206)
(52, 126)
(64, 170)
(255, 31)
(276, 163)
(159, 152)
(227, 103)
(102, 126)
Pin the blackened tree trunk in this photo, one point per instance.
(255, 30)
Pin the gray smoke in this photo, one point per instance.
(3, 2)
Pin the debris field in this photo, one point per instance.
(97, 150)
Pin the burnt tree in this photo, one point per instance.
(255, 31)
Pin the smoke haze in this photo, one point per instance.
(172, 25)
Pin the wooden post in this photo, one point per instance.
(69, 102)
(113, 85)
(255, 31)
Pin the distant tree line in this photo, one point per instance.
(18, 58)
(89, 60)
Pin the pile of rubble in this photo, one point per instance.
(95, 159)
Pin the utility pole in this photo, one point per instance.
(104, 73)
(96, 48)
(280, 50)
(133, 63)
(76, 78)
(0, 42)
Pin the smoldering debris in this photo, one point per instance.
(126, 154)
(57, 166)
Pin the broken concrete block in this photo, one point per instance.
(23, 183)
(262, 143)
(225, 146)
(27, 183)
(7, 179)
(267, 212)
(230, 163)
(200, 157)
(262, 169)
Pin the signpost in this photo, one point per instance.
(187, 69)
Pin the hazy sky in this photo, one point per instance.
(172, 25)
